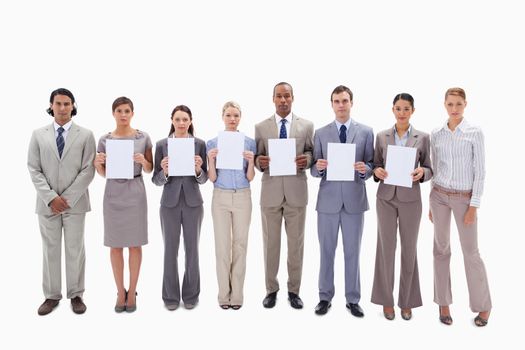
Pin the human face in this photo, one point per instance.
(62, 108)
(123, 115)
(231, 118)
(181, 122)
(283, 98)
(403, 110)
(455, 106)
(341, 104)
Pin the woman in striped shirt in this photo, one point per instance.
(458, 162)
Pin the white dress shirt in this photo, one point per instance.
(458, 159)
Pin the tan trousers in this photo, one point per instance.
(441, 206)
(408, 215)
(294, 219)
(231, 212)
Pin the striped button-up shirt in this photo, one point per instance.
(458, 159)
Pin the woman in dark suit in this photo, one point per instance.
(180, 206)
(399, 206)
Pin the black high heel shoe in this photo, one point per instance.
(131, 308)
(121, 308)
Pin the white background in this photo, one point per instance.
(204, 53)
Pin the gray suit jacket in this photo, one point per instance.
(174, 184)
(68, 176)
(292, 189)
(333, 195)
(417, 139)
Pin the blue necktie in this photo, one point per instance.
(60, 141)
(282, 133)
(342, 134)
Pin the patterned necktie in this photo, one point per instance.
(282, 133)
(60, 141)
(342, 134)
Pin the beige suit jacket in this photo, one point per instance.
(68, 176)
(292, 189)
(417, 139)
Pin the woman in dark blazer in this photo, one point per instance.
(180, 206)
(399, 206)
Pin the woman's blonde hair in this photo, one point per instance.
(456, 91)
(231, 104)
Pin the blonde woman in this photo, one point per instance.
(458, 162)
(231, 211)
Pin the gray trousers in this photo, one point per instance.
(442, 206)
(51, 229)
(328, 230)
(408, 215)
(172, 219)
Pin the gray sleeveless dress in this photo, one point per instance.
(125, 204)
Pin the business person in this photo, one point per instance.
(231, 208)
(60, 162)
(399, 206)
(341, 204)
(125, 204)
(180, 206)
(284, 196)
(458, 160)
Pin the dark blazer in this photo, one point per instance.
(417, 139)
(333, 195)
(174, 184)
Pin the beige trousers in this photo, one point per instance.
(52, 229)
(231, 212)
(441, 206)
(294, 219)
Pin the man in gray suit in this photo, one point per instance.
(342, 203)
(284, 196)
(60, 162)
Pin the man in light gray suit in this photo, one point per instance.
(60, 162)
(342, 203)
(284, 196)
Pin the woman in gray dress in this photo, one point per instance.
(180, 207)
(125, 206)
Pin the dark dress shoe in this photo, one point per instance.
(269, 300)
(322, 307)
(47, 306)
(295, 301)
(78, 305)
(355, 309)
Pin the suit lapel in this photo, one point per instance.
(72, 135)
(50, 137)
(333, 133)
(354, 127)
(271, 128)
(413, 138)
(293, 129)
(391, 138)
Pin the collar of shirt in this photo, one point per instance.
(278, 119)
(347, 124)
(462, 126)
(66, 126)
(407, 134)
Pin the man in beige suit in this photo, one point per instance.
(60, 162)
(284, 196)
